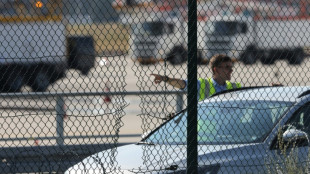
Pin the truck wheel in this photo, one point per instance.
(12, 78)
(269, 59)
(81, 53)
(200, 59)
(249, 56)
(56, 72)
(40, 83)
(88, 61)
(297, 57)
(177, 56)
(15, 84)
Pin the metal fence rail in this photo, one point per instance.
(60, 110)
(57, 158)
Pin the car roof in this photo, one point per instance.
(279, 93)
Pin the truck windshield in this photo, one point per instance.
(150, 28)
(229, 122)
(222, 27)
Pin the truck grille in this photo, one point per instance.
(218, 46)
(145, 49)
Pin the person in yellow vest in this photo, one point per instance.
(222, 68)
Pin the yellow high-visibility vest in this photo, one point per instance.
(208, 89)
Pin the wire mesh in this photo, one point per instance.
(80, 79)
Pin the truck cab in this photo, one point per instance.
(159, 38)
(232, 35)
(164, 37)
(249, 40)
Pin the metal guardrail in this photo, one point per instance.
(60, 112)
(59, 157)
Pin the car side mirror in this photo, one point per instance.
(295, 137)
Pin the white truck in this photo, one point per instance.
(35, 49)
(249, 40)
(163, 36)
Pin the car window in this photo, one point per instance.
(224, 123)
(301, 119)
(241, 122)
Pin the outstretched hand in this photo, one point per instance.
(158, 78)
(177, 83)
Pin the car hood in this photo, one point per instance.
(159, 158)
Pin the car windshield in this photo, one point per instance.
(222, 27)
(229, 122)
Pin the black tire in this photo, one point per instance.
(12, 78)
(269, 59)
(297, 57)
(17, 83)
(81, 53)
(40, 83)
(86, 63)
(177, 56)
(56, 71)
(249, 56)
(199, 57)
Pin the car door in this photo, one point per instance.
(291, 155)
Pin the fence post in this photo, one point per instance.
(59, 120)
(192, 143)
(179, 102)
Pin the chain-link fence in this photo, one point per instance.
(82, 82)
